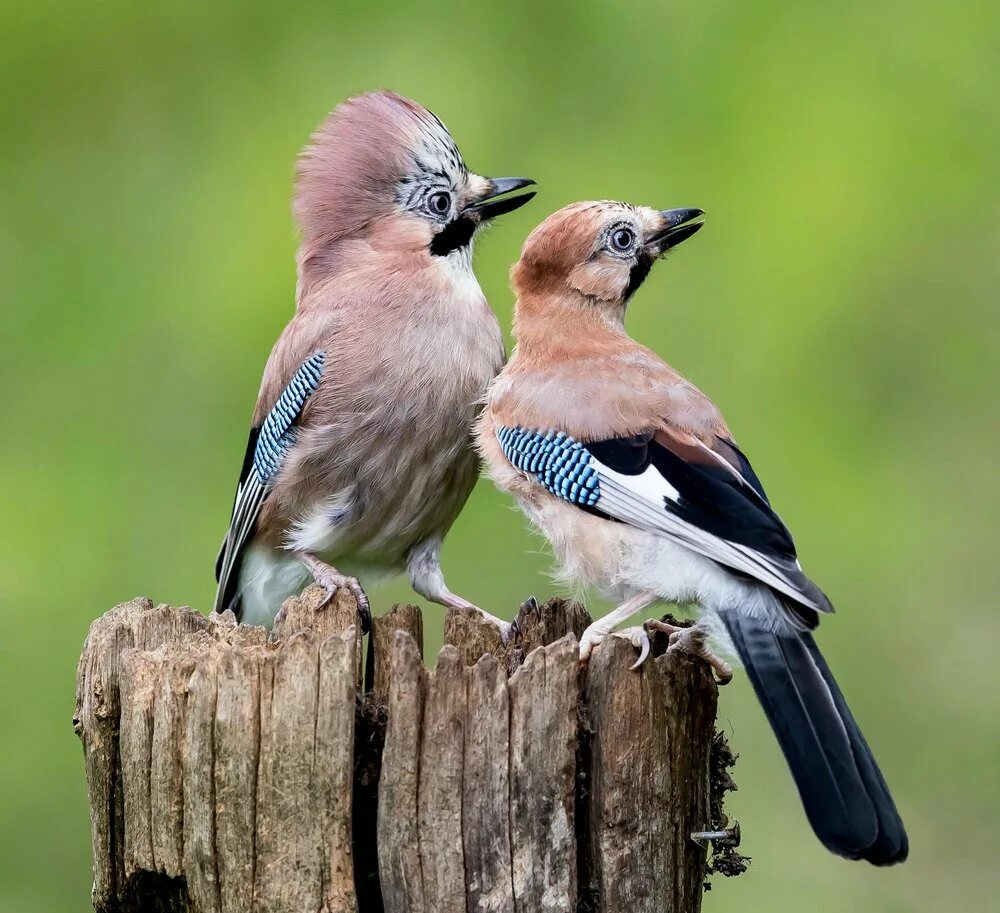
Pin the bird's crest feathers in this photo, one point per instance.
(347, 175)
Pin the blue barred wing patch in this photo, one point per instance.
(560, 462)
(276, 432)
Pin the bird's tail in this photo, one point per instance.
(845, 797)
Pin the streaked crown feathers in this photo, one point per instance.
(349, 174)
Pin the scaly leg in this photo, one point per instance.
(332, 580)
(423, 566)
(691, 640)
(598, 632)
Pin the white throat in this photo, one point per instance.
(457, 266)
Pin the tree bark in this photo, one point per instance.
(230, 769)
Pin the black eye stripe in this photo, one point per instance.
(637, 275)
(456, 234)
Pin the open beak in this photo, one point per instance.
(489, 207)
(677, 227)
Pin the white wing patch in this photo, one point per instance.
(649, 484)
(639, 500)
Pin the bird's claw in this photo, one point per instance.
(636, 636)
(508, 631)
(530, 606)
(691, 640)
(364, 606)
(332, 583)
(639, 638)
(331, 580)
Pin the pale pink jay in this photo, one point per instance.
(360, 454)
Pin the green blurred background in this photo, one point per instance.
(840, 306)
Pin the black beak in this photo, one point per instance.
(489, 207)
(677, 227)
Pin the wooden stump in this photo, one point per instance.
(230, 769)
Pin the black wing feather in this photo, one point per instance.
(713, 499)
(711, 496)
(736, 456)
(267, 445)
(228, 592)
(721, 497)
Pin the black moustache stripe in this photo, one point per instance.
(637, 275)
(457, 233)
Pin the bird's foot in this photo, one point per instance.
(595, 636)
(332, 581)
(691, 640)
(597, 632)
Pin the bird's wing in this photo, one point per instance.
(266, 447)
(707, 498)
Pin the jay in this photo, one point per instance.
(360, 453)
(633, 475)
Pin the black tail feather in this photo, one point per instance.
(845, 798)
(891, 845)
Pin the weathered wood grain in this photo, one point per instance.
(543, 736)
(310, 612)
(289, 874)
(541, 625)
(486, 790)
(400, 617)
(141, 625)
(136, 684)
(166, 793)
(333, 771)
(439, 793)
(400, 866)
(198, 761)
(473, 636)
(236, 756)
(652, 731)
(224, 763)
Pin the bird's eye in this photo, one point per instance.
(439, 203)
(622, 239)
